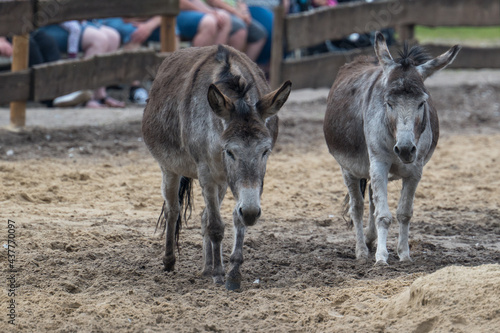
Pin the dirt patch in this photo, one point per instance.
(86, 199)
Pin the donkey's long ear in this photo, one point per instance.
(382, 52)
(221, 105)
(271, 103)
(430, 67)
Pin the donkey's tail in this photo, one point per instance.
(185, 203)
(345, 205)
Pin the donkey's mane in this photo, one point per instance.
(412, 56)
(233, 82)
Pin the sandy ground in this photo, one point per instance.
(85, 200)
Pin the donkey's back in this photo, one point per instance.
(349, 97)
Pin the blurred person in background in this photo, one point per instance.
(247, 34)
(43, 49)
(94, 39)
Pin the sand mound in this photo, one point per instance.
(453, 299)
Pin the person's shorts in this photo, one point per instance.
(188, 22)
(126, 29)
(236, 24)
(256, 31)
(60, 35)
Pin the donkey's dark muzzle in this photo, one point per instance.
(248, 206)
(406, 154)
(249, 215)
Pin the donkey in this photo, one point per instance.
(380, 124)
(211, 116)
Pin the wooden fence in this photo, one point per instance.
(47, 81)
(314, 27)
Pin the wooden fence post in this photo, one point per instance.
(406, 32)
(277, 47)
(20, 55)
(167, 33)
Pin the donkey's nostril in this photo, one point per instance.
(396, 150)
(240, 211)
(413, 149)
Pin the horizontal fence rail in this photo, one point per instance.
(16, 17)
(19, 17)
(56, 11)
(55, 79)
(46, 81)
(314, 27)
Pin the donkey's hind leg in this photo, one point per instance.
(356, 211)
(371, 230)
(170, 191)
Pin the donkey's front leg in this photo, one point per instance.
(207, 246)
(404, 215)
(371, 230)
(383, 217)
(233, 278)
(214, 231)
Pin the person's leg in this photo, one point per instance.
(223, 27)
(113, 38)
(125, 29)
(59, 34)
(93, 41)
(257, 37)
(47, 46)
(35, 55)
(187, 23)
(99, 41)
(207, 31)
(238, 33)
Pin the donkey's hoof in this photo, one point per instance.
(233, 285)
(218, 279)
(381, 263)
(405, 258)
(362, 260)
(372, 245)
(168, 264)
(206, 273)
(362, 253)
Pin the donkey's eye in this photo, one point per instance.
(389, 105)
(420, 105)
(230, 154)
(266, 152)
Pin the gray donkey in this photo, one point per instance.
(212, 116)
(380, 124)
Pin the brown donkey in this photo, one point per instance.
(380, 124)
(212, 116)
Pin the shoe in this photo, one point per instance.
(73, 99)
(138, 95)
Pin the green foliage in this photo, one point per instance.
(474, 36)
